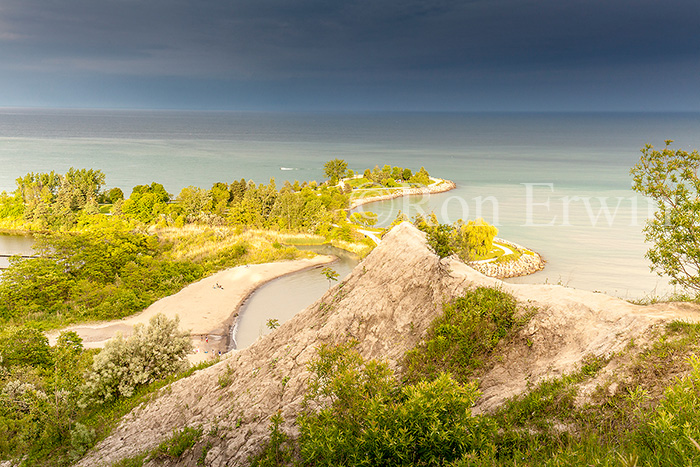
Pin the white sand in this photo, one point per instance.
(204, 309)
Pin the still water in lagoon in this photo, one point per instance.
(282, 298)
(11, 244)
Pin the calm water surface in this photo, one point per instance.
(14, 245)
(282, 298)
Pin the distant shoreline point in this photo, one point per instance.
(438, 186)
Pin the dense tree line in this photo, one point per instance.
(90, 275)
(48, 201)
(389, 176)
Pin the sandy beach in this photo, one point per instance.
(206, 310)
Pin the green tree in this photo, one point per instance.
(670, 178)
(335, 168)
(24, 346)
(330, 274)
(195, 201)
(365, 218)
(422, 177)
(146, 202)
(115, 194)
(36, 285)
(79, 186)
(475, 238)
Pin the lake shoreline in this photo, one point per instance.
(441, 186)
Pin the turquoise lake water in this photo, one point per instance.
(557, 183)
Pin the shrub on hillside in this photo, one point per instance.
(151, 353)
(373, 420)
(461, 338)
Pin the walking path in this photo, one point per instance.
(371, 235)
(506, 251)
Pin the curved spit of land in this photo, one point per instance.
(438, 185)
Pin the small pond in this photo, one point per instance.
(12, 244)
(282, 298)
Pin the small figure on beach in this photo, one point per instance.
(218, 286)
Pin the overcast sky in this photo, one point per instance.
(454, 55)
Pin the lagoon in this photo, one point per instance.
(12, 244)
(282, 298)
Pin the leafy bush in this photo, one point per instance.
(24, 346)
(178, 444)
(670, 434)
(468, 240)
(277, 450)
(151, 353)
(461, 338)
(81, 439)
(372, 420)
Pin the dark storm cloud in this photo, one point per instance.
(360, 41)
(315, 37)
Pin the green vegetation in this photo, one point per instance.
(171, 449)
(151, 353)
(391, 177)
(90, 275)
(373, 420)
(460, 341)
(330, 274)
(469, 241)
(335, 170)
(178, 444)
(102, 255)
(670, 179)
(56, 402)
(642, 414)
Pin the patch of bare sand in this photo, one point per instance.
(207, 308)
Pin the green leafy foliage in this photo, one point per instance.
(24, 346)
(670, 179)
(277, 450)
(670, 435)
(461, 339)
(371, 420)
(95, 274)
(467, 240)
(335, 169)
(330, 274)
(150, 353)
(52, 200)
(389, 176)
(178, 444)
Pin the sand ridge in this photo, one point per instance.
(205, 309)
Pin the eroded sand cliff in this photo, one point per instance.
(385, 304)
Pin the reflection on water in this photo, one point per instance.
(284, 297)
(11, 244)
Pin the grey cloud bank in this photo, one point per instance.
(381, 55)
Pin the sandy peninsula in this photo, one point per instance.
(207, 308)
